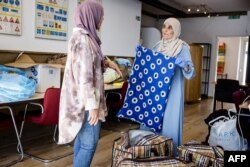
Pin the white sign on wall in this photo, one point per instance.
(51, 19)
(10, 17)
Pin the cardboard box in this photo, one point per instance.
(46, 75)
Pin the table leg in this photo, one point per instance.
(19, 145)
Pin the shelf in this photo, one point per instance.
(206, 58)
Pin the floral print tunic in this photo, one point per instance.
(82, 88)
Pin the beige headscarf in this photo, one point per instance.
(172, 46)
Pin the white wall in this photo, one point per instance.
(27, 40)
(231, 55)
(206, 30)
(150, 36)
(120, 31)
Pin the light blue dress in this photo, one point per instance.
(173, 115)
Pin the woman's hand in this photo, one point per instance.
(93, 117)
(182, 63)
(113, 65)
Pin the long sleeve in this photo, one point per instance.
(84, 73)
(82, 87)
(186, 56)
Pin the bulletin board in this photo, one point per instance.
(10, 17)
(51, 19)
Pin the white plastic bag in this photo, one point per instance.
(224, 133)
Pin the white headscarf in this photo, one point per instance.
(172, 47)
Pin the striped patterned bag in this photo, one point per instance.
(148, 146)
(155, 162)
(218, 162)
(201, 155)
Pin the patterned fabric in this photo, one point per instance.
(148, 146)
(154, 162)
(218, 162)
(201, 155)
(82, 88)
(149, 86)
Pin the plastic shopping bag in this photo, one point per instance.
(14, 85)
(224, 133)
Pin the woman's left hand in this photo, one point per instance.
(113, 65)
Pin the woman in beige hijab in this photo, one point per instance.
(171, 45)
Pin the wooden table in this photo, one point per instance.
(114, 86)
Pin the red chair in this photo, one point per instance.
(238, 97)
(114, 100)
(48, 117)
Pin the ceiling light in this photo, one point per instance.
(198, 9)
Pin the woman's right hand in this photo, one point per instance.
(113, 65)
(93, 117)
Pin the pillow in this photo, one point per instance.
(110, 75)
(149, 86)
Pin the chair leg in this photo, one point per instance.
(53, 159)
(55, 132)
(214, 107)
(47, 160)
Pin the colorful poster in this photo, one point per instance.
(51, 19)
(10, 17)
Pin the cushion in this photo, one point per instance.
(110, 75)
(149, 86)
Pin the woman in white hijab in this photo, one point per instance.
(171, 45)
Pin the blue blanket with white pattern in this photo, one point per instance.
(149, 86)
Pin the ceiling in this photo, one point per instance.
(179, 8)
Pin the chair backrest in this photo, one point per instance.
(228, 84)
(224, 89)
(51, 102)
